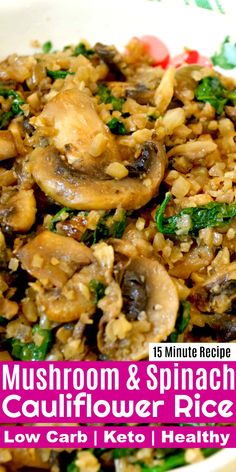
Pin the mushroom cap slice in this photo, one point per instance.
(67, 304)
(218, 293)
(75, 189)
(152, 325)
(18, 209)
(72, 115)
(52, 258)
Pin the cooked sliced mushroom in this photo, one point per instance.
(218, 293)
(142, 94)
(52, 258)
(150, 306)
(18, 209)
(112, 58)
(75, 298)
(227, 328)
(134, 294)
(75, 189)
(165, 90)
(185, 81)
(76, 124)
(67, 304)
(219, 327)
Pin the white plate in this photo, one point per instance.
(116, 21)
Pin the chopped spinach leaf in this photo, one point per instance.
(59, 74)
(106, 96)
(31, 351)
(117, 127)
(93, 236)
(47, 47)
(81, 49)
(211, 215)
(99, 451)
(152, 117)
(207, 452)
(98, 289)
(61, 215)
(5, 119)
(3, 321)
(17, 101)
(118, 226)
(181, 322)
(184, 317)
(169, 463)
(72, 467)
(122, 452)
(226, 57)
(108, 226)
(211, 90)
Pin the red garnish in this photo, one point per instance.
(161, 57)
(157, 50)
(190, 56)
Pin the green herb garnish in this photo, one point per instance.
(98, 289)
(211, 90)
(47, 47)
(106, 96)
(81, 49)
(117, 127)
(61, 215)
(59, 74)
(226, 57)
(211, 215)
(15, 110)
(31, 351)
(181, 322)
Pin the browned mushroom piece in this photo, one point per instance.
(185, 81)
(17, 209)
(68, 303)
(78, 131)
(112, 58)
(73, 170)
(76, 189)
(150, 306)
(218, 293)
(141, 93)
(52, 258)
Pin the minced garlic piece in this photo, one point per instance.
(117, 170)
